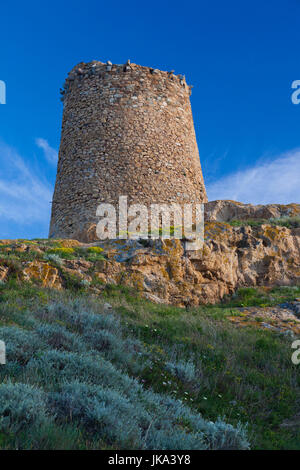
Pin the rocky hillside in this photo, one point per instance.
(112, 370)
(102, 335)
(243, 251)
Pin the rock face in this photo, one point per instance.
(162, 271)
(232, 257)
(127, 131)
(225, 211)
(47, 274)
(280, 318)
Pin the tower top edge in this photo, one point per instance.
(95, 67)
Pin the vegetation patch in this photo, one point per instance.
(62, 252)
(114, 371)
(72, 366)
(289, 222)
(262, 296)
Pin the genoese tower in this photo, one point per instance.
(127, 131)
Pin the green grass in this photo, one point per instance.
(47, 250)
(289, 222)
(243, 374)
(262, 296)
(75, 379)
(196, 356)
(65, 253)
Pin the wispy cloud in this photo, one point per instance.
(25, 195)
(49, 152)
(276, 181)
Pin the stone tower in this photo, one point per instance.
(127, 131)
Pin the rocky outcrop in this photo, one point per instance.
(3, 273)
(231, 257)
(163, 271)
(226, 210)
(279, 318)
(43, 272)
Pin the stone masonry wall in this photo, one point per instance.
(127, 130)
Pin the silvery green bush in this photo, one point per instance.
(113, 346)
(100, 332)
(184, 370)
(54, 366)
(103, 411)
(80, 365)
(21, 345)
(58, 337)
(21, 406)
(52, 257)
(143, 419)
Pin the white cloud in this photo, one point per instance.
(24, 195)
(49, 152)
(276, 181)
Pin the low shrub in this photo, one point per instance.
(250, 222)
(58, 337)
(289, 222)
(93, 253)
(21, 345)
(21, 406)
(53, 258)
(55, 366)
(81, 367)
(143, 420)
(95, 249)
(114, 347)
(105, 412)
(66, 253)
(184, 370)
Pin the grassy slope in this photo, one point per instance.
(196, 356)
(243, 374)
(289, 222)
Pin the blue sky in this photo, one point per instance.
(241, 57)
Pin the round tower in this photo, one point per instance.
(127, 131)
